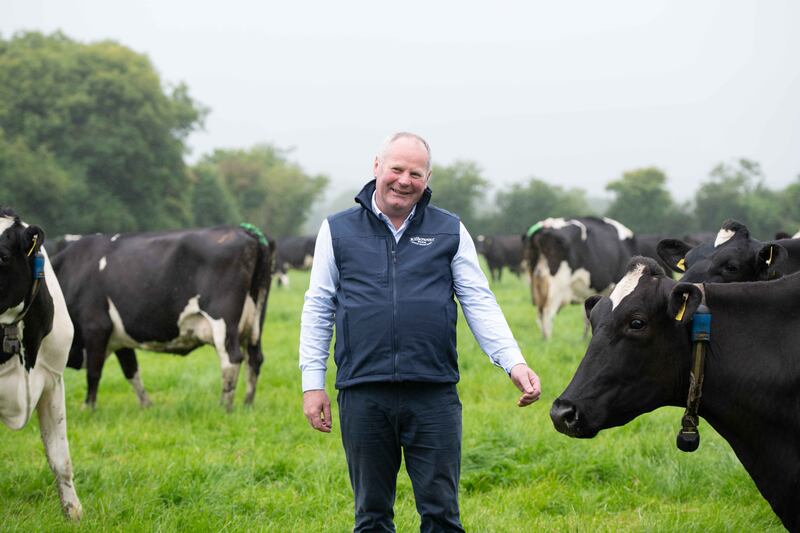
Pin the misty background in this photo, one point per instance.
(574, 94)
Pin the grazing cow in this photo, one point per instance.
(293, 252)
(570, 259)
(169, 292)
(639, 360)
(733, 256)
(501, 251)
(36, 335)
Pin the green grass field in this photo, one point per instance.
(185, 465)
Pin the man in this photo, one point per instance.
(385, 272)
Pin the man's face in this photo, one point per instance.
(401, 176)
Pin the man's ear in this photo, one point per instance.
(673, 252)
(590, 302)
(683, 302)
(768, 257)
(32, 239)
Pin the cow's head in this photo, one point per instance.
(733, 256)
(638, 358)
(18, 247)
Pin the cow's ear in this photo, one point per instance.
(32, 240)
(673, 252)
(590, 302)
(683, 302)
(768, 257)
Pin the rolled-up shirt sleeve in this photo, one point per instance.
(317, 319)
(483, 314)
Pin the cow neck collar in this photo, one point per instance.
(11, 341)
(688, 437)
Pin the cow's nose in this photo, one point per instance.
(565, 417)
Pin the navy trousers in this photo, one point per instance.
(421, 421)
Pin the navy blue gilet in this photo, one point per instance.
(395, 310)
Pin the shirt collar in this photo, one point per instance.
(385, 218)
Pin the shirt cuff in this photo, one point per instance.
(512, 360)
(313, 380)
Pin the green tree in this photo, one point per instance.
(643, 203)
(457, 187)
(102, 112)
(521, 205)
(212, 202)
(33, 184)
(737, 191)
(268, 189)
(790, 207)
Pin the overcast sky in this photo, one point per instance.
(573, 92)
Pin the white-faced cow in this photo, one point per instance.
(640, 355)
(571, 259)
(501, 251)
(732, 256)
(295, 252)
(36, 335)
(169, 292)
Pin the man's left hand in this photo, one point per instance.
(527, 381)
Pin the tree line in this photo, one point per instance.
(640, 200)
(92, 140)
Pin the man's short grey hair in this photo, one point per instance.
(399, 135)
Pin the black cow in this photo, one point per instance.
(570, 259)
(733, 256)
(168, 292)
(639, 360)
(647, 246)
(501, 251)
(293, 252)
(36, 335)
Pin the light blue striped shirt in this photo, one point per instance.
(478, 303)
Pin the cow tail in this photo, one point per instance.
(262, 277)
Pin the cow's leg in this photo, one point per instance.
(53, 426)
(226, 341)
(95, 359)
(255, 358)
(130, 367)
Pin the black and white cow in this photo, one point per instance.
(501, 251)
(639, 360)
(295, 252)
(36, 333)
(732, 256)
(169, 292)
(571, 259)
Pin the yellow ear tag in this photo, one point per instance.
(682, 310)
(36, 237)
(769, 261)
(682, 264)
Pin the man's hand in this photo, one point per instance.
(317, 408)
(527, 381)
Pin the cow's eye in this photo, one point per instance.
(4, 259)
(730, 267)
(637, 323)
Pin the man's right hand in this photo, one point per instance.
(317, 408)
